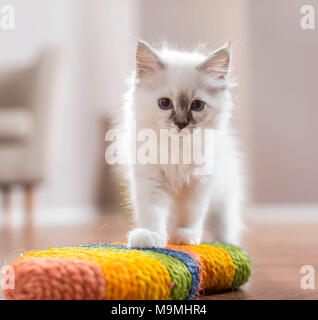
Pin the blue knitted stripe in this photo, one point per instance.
(183, 257)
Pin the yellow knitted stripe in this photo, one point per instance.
(129, 274)
(218, 268)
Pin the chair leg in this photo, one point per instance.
(29, 203)
(6, 199)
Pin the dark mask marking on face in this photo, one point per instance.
(183, 102)
(181, 116)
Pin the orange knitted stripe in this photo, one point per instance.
(218, 268)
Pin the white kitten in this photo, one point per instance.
(184, 91)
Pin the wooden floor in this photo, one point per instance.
(277, 252)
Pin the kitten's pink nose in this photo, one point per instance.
(181, 125)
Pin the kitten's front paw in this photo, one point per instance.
(143, 238)
(185, 236)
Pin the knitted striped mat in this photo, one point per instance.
(114, 271)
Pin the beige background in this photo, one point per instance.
(275, 63)
(283, 102)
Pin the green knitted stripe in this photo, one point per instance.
(179, 274)
(241, 261)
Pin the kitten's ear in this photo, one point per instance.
(147, 61)
(218, 63)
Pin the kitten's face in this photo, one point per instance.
(178, 90)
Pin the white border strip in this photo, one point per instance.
(51, 216)
(259, 214)
(282, 213)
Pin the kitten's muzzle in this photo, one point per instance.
(181, 125)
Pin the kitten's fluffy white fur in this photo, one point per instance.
(171, 203)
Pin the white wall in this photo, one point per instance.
(99, 37)
(284, 102)
(95, 37)
(40, 24)
(275, 63)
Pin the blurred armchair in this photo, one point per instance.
(26, 96)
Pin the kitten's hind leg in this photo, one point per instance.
(224, 221)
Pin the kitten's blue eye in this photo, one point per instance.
(197, 105)
(165, 103)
